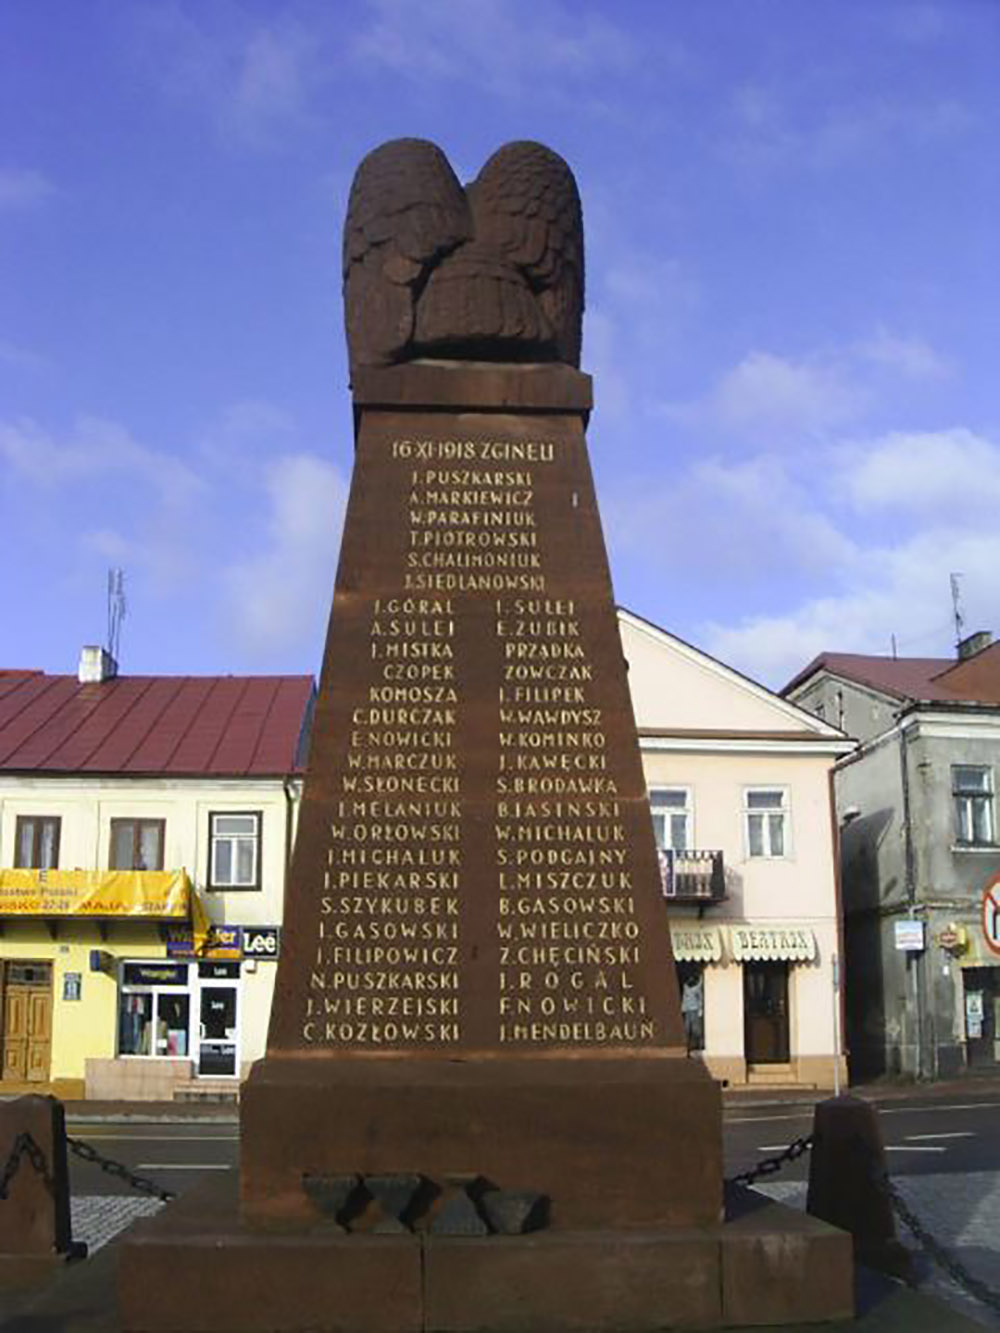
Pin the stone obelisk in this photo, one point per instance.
(475, 1112)
(476, 974)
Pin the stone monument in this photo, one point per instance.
(476, 1110)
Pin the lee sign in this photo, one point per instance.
(260, 941)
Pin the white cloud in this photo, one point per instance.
(911, 357)
(277, 596)
(494, 43)
(899, 592)
(23, 188)
(771, 126)
(253, 80)
(928, 474)
(93, 448)
(768, 393)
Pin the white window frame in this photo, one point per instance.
(969, 797)
(664, 813)
(234, 884)
(784, 810)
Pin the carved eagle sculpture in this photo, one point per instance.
(493, 272)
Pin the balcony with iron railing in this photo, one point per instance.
(694, 876)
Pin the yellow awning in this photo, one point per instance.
(776, 942)
(152, 895)
(695, 944)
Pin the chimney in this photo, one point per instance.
(96, 665)
(973, 644)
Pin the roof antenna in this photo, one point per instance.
(116, 610)
(956, 605)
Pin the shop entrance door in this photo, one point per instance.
(765, 1013)
(27, 1022)
(982, 1015)
(218, 1015)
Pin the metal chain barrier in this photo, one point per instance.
(118, 1169)
(24, 1146)
(933, 1248)
(769, 1166)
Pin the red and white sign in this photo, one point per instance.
(991, 914)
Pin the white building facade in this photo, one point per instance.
(740, 792)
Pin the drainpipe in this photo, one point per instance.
(914, 965)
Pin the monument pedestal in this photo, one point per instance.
(609, 1142)
(196, 1269)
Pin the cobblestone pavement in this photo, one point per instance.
(99, 1218)
(961, 1211)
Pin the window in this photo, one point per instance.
(766, 813)
(137, 844)
(671, 818)
(154, 1009)
(37, 842)
(972, 788)
(234, 855)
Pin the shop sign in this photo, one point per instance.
(772, 943)
(219, 942)
(991, 914)
(260, 941)
(159, 894)
(953, 938)
(974, 1012)
(909, 936)
(155, 974)
(219, 971)
(695, 944)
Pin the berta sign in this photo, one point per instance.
(772, 943)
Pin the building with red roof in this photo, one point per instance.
(920, 853)
(145, 829)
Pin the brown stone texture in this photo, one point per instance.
(846, 1162)
(474, 869)
(193, 1268)
(34, 1218)
(580, 1281)
(493, 271)
(476, 972)
(631, 1143)
(781, 1266)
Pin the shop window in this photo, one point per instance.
(766, 821)
(972, 790)
(137, 844)
(37, 842)
(234, 851)
(154, 1010)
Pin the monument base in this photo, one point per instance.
(196, 1269)
(629, 1141)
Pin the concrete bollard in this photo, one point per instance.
(35, 1228)
(846, 1164)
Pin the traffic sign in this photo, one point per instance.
(991, 913)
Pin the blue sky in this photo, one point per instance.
(792, 309)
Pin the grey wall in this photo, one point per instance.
(860, 712)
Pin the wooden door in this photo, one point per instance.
(765, 1012)
(27, 1022)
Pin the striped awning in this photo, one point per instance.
(776, 942)
(696, 944)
